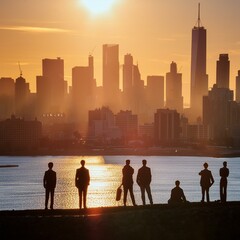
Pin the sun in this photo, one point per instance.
(98, 6)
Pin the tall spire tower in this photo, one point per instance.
(199, 78)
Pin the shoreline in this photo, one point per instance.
(161, 221)
(216, 152)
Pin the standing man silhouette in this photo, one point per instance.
(144, 178)
(206, 181)
(82, 180)
(224, 172)
(49, 183)
(127, 182)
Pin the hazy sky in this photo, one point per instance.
(155, 32)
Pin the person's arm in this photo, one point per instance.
(150, 176)
(138, 179)
(212, 179)
(44, 180)
(183, 197)
(55, 179)
(227, 172)
(88, 177)
(76, 178)
(221, 172)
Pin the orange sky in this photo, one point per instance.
(155, 32)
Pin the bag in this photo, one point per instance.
(118, 193)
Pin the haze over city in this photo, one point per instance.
(155, 33)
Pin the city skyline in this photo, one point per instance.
(164, 36)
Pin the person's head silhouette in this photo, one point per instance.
(82, 163)
(144, 162)
(225, 164)
(205, 165)
(50, 165)
(127, 162)
(177, 183)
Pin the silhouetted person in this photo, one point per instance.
(224, 172)
(206, 182)
(144, 178)
(82, 180)
(177, 194)
(127, 182)
(49, 183)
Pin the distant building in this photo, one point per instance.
(174, 98)
(197, 132)
(111, 76)
(101, 125)
(51, 86)
(216, 112)
(154, 95)
(223, 70)
(83, 92)
(166, 126)
(22, 94)
(146, 130)
(128, 124)
(7, 94)
(238, 87)
(133, 88)
(199, 78)
(18, 134)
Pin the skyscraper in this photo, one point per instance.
(217, 112)
(238, 87)
(53, 77)
(174, 98)
(222, 74)
(199, 78)
(154, 95)
(111, 76)
(7, 94)
(127, 82)
(22, 93)
(83, 91)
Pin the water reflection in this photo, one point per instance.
(104, 179)
(22, 187)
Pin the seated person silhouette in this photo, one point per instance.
(177, 194)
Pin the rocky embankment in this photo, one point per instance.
(192, 221)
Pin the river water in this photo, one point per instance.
(22, 187)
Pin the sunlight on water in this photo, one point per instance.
(22, 187)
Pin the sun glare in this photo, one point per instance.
(98, 6)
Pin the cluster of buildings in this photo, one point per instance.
(138, 111)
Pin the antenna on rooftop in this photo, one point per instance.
(199, 16)
(20, 70)
(199, 11)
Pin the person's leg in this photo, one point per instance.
(52, 198)
(125, 191)
(46, 198)
(225, 193)
(203, 194)
(80, 197)
(207, 193)
(142, 188)
(132, 195)
(148, 190)
(85, 197)
(221, 191)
